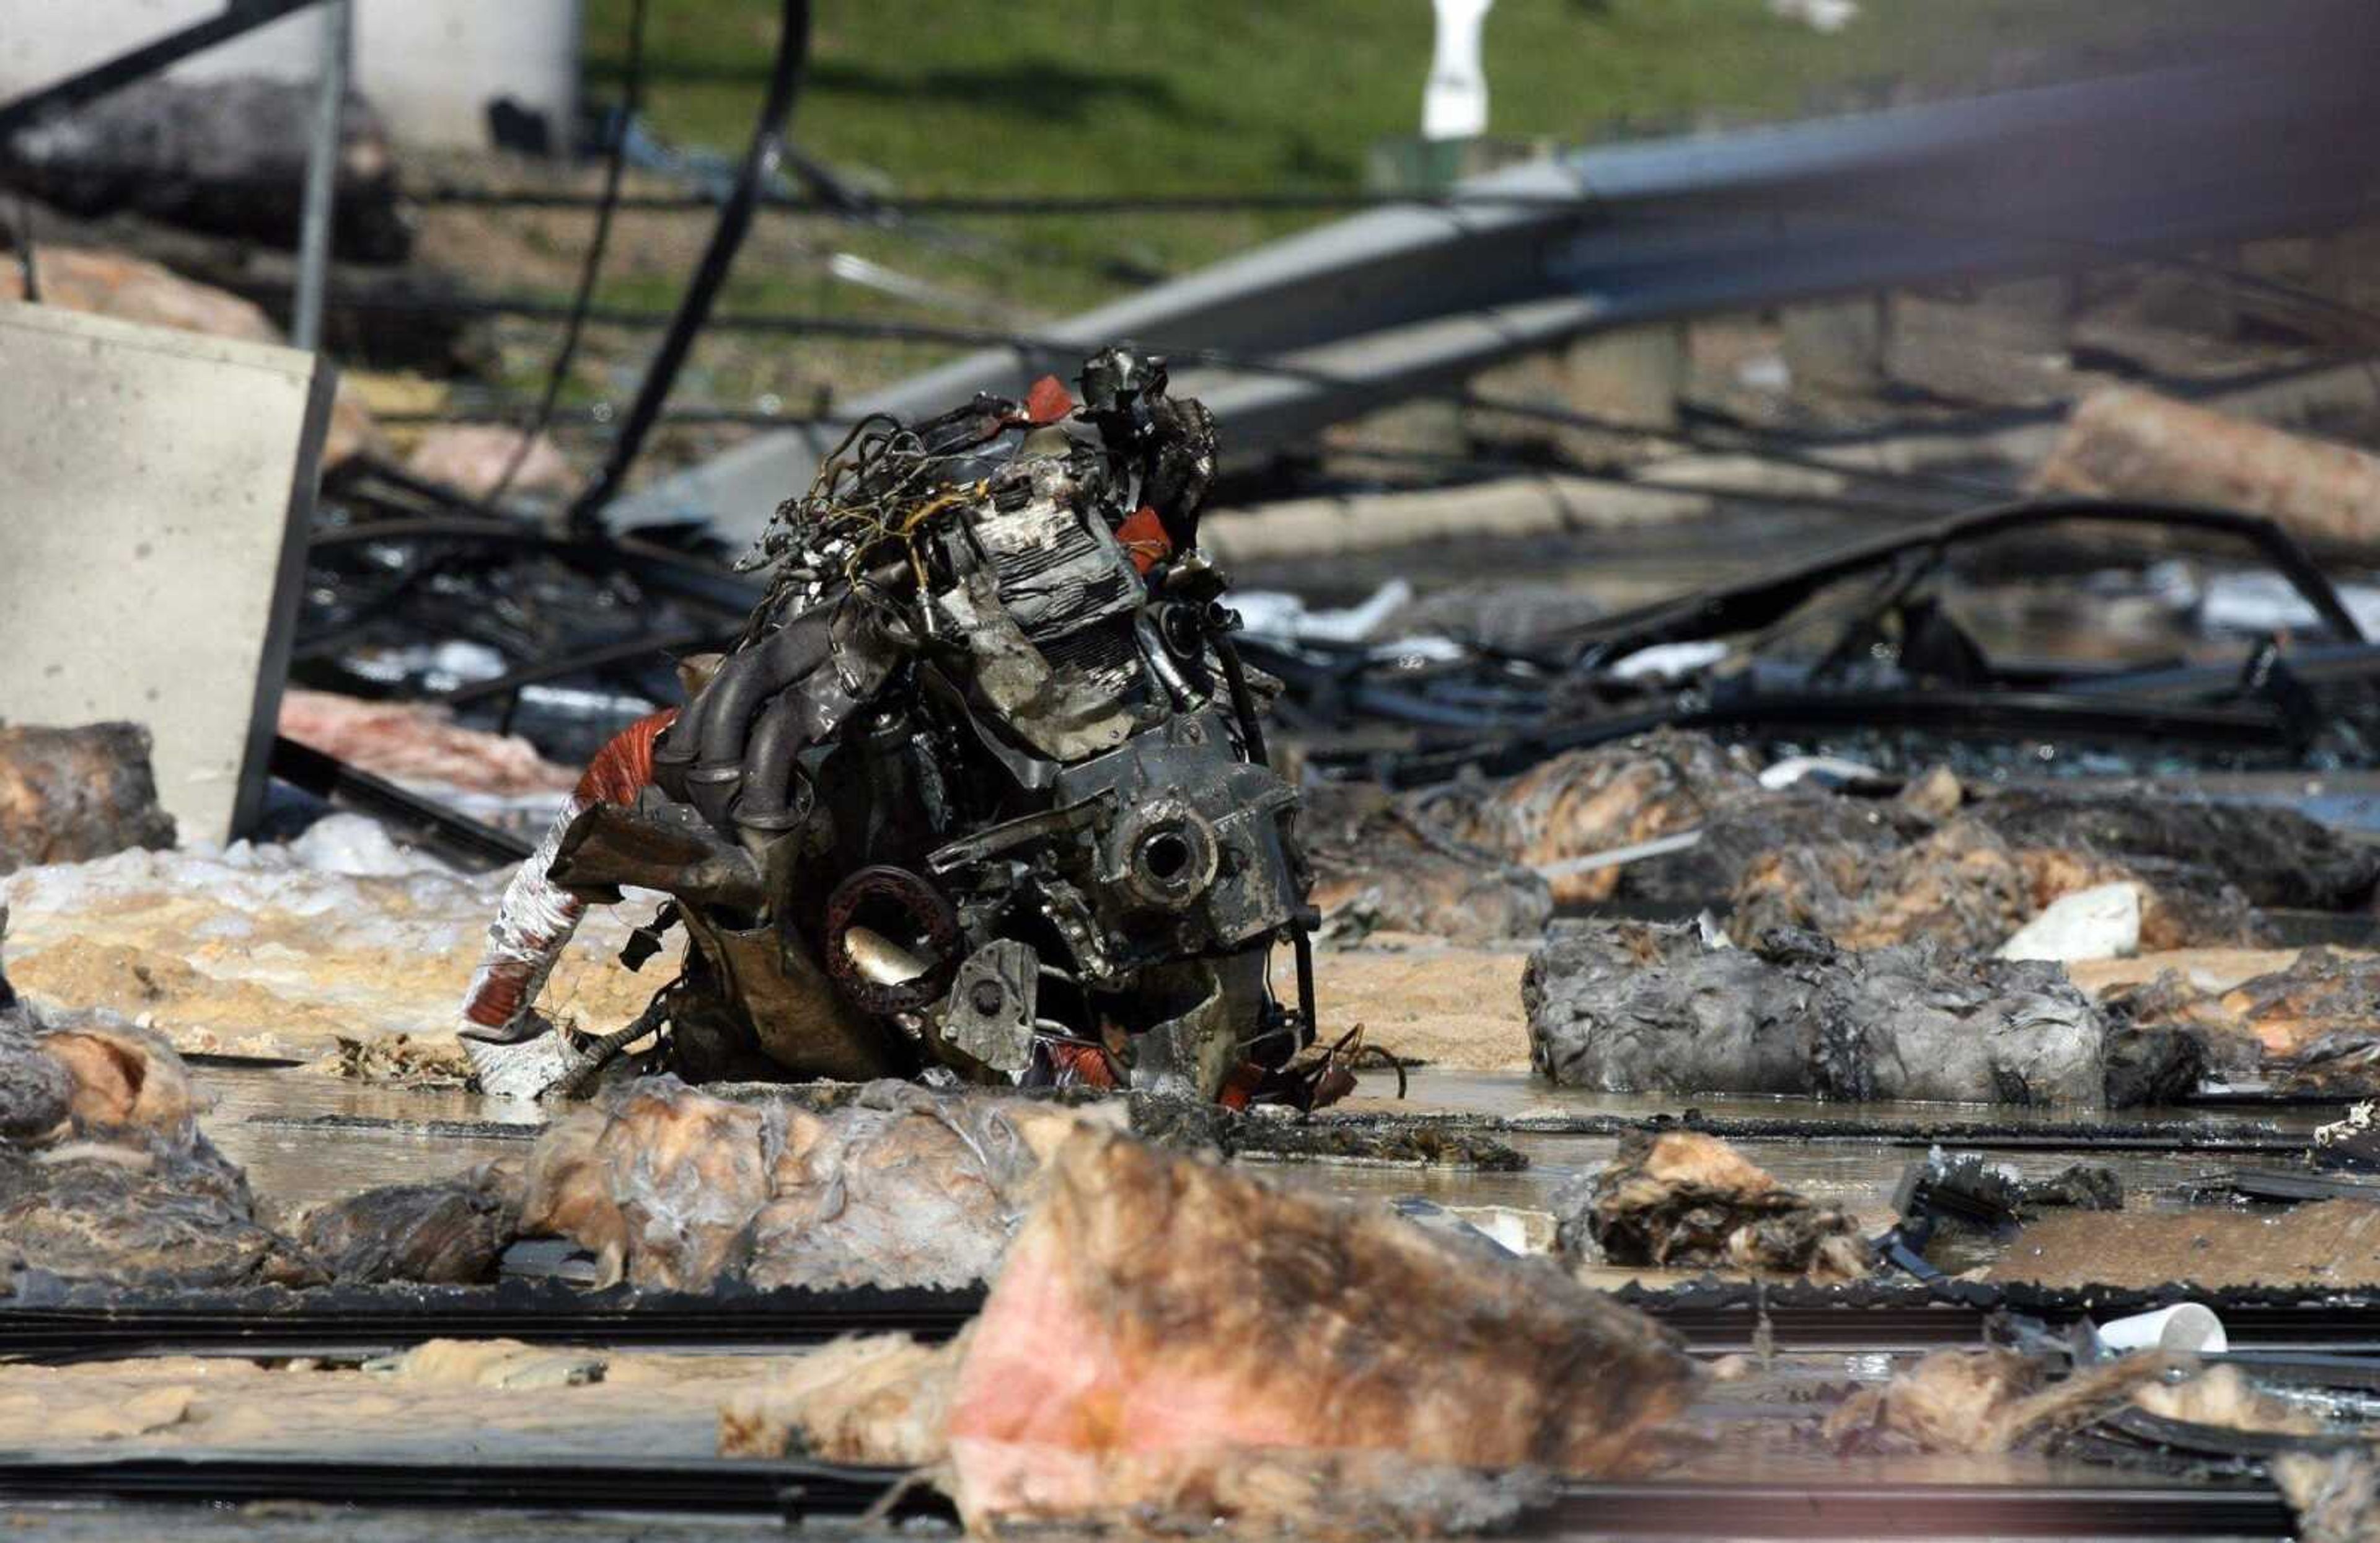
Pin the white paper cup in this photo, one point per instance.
(2190, 1327)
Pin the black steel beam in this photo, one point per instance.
(1760, 601)
(1694, 1507)
(1712, 1318)
(433, 824)
(797, 1491)
(789, 1490)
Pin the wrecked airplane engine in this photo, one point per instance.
(981, 792)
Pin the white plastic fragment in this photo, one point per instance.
(1826, 768)
(1668, 661)
(2101, 923)
(1278, 613)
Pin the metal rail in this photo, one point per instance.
(433, 824)
(799, 1490)
(1694, 1507)
(788, 1490)
(1711, 1318)
(1976, 1136)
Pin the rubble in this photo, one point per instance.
(1968, 886)
(1963, 1193)
(882, 1401)
(1165, 1332)
(1645, 1007)
(1589, 801)
(1194, 1125)
(68, 795)
(105, 1174)
(1959, 887)
(220, 156)
(661, 1185)
(2126, 443)
(1999, 1400)
(908, 1188)
(2306, 1028)
(2222, 1396)
(675, 1188)
(2335, 1494)
(1986, 1401)
(2215, 970)
(2078, 1187)
(1739, 831)
(2176, 838)
(451, 1233)
(473, 459)
(1377, 866)
(1682, 1200)
(474, 1398)
(1966, 867)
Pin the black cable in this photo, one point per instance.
(632, 102)
(726, 239)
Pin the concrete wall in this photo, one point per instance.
(431, 67)
(155, 489)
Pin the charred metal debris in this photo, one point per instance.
(1855, 653)
(980, 793)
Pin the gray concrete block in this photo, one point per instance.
(157, 488)
(1838, 345)
(1625, 381)
(1632, 377)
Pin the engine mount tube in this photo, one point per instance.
(724, 712)
(775, 796)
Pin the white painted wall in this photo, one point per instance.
(431, 67)
(159, 486)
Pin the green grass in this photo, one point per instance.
(1171, 95)
(1154, 96)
